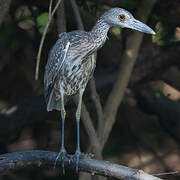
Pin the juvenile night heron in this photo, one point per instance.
(71, 64)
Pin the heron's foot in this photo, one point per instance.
(89, 156)
(76, 158)
(62, 154)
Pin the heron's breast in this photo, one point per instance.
(75, 75)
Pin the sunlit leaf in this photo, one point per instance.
(42, 21)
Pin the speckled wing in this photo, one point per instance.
(56, 58)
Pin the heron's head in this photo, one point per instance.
(124, 19)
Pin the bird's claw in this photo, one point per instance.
(76, 158)
(62, 154)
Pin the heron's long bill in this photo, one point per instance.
(139, 26)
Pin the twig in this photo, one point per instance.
(126, 67)
(55, 8)
(50, 16)
(167, 173)
(18, 160)
(50, 8)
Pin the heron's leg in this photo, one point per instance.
(63, 115)
(62, 152)
(78, 116)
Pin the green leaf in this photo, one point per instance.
(42, 21)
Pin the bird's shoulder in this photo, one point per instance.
(78, 36)
(56, 58)
(58, 51)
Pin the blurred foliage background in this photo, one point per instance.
(146, 134)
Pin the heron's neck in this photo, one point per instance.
(99, 32)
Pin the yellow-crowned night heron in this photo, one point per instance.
(71, 64)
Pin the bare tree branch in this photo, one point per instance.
(50, 16)
(41, 159)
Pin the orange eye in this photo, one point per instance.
(121, 17)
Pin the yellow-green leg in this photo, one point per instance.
(62, 152)
(78, 116)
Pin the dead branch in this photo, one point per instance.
(42, 159)
(50, 16)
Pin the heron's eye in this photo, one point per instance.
(121, 17)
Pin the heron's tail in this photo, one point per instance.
(52, 102)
